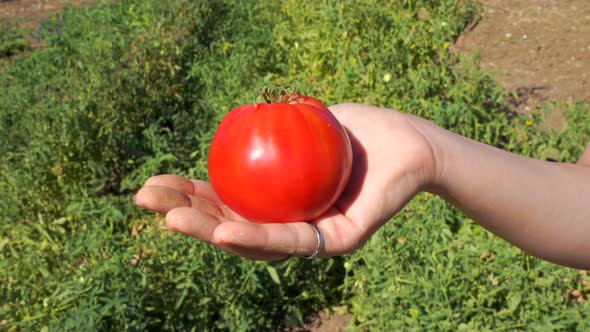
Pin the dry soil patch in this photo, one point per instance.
(540, 48)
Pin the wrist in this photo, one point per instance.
(436, 144)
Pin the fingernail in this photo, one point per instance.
(221, 241)
(171, 225)
(217, 239)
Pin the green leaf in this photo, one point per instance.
(514, 301)
(273, 274)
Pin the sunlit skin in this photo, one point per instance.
(541, 207)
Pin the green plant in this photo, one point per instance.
(127, 89)
(433, 269)
(12, 40)
(84, 121)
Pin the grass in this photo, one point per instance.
(127, 89)
(12, 42)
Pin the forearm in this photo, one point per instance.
(541, 207)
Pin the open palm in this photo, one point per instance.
(392, 163)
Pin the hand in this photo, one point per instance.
(393, 161)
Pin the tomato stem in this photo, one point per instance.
(276, 94)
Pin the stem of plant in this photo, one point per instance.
(278, 93)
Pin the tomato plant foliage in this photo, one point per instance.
(126, 89)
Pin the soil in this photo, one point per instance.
(335, 321)
(540, 49)
(30, 13)
(537, 48)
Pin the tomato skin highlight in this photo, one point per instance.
(280, 162)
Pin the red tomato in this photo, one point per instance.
(281, 162)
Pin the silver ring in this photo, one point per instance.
(320, 237)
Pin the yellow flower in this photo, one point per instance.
(446, 45)
(529, 122)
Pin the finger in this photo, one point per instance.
(201, 225)
(340, 236)
(164, 199)
(193, 222)
(253, 254)
(204, 189)
(160, 199)
(189, 187)
(295, 239)
(175, 182)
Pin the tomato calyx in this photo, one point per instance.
(277, 94)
